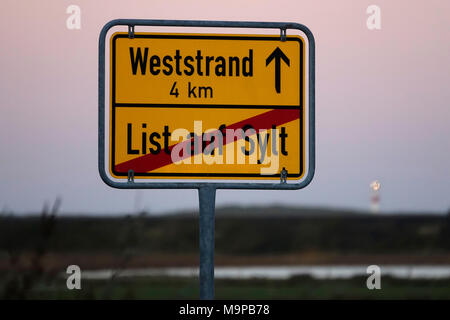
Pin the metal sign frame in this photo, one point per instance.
(131, 24)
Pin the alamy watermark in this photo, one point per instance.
(74, 278)
(73, 21)
(373, 21)
(374, 280)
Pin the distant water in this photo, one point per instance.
(281, 272)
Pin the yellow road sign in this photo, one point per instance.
(192, 106)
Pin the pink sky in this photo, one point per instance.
(382, 107)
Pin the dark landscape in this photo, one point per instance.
(36, 249)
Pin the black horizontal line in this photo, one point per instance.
(207, 36)
(212, 106)
(222, 175)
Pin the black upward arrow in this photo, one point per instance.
(277, 54)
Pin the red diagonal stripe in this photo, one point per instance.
(266, 120)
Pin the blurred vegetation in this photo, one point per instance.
(36, 249)
(235, 235)
(19, 282)
(295, 288)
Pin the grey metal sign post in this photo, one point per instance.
(207, 200)
(207, 191)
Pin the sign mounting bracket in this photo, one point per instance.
(131, 31)
(283, 34)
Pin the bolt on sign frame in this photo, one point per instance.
(207, 190)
